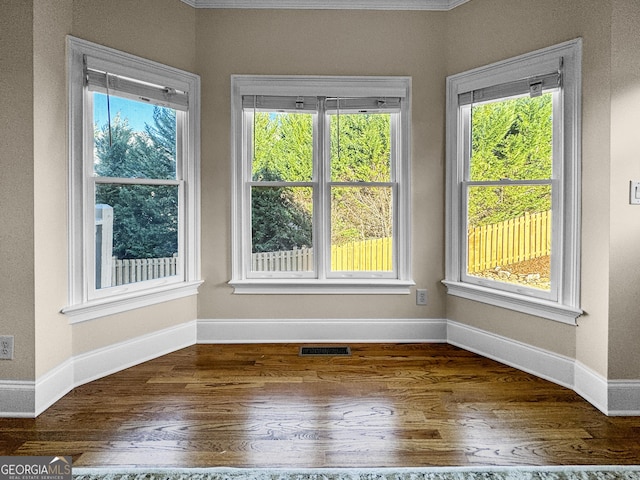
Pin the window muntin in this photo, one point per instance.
(341, 182)
(362, 191)
(135, 140)
(351, 180)
(508, 194)
(281, 189)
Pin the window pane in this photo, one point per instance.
(360, 147)
(136, 233)
(361, 229)
(283, 147)
(281, 229)
(138, 142)
(512, 139)
(509, 234)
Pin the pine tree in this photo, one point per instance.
(145, 216)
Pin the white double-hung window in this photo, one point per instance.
(321, 190)
(513, 183)
(134, 187)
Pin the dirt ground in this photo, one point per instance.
(531, 273)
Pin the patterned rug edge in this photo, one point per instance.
(574, 472)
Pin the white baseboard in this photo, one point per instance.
(29, 399)
(321, 330)
(613, 397)
(592, 387)
(17, 398)
(542, 363)
(114, 358)
(624, 398)
(54, 385)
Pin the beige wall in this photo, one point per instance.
(321, 43)
(218, 43)
(51, 22)
(485, 31)
(16, 187)
(419, 44)
(163, 31)
(624, 322)
(34, 161)
(159, 30)
(96, 334)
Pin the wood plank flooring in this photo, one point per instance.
(263, 405)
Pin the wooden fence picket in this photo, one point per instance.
(369, 255)
(515, 240)
(512, 241)
(125, 271)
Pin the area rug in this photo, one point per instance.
(436, 473)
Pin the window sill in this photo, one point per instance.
(125, 302)
(326, 287)
(514, 301)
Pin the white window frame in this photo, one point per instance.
(563, 302)
(324, 282)
(85, 301)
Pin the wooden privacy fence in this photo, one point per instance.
(512, 241)
(110, 271)
(369, 255)
(296, 260)
(140, 269)
(374, 255)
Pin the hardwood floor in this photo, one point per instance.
(263, 405)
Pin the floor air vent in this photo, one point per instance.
(324, 351)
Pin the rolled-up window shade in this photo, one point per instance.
(137, 90)
(310, 104)
(525, 86)
(271, 103)
(365, 104)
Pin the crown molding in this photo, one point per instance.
(435, 5)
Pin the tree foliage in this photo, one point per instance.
(145, 216)
(283, 151)
(361, 152)
(283, 147)
(281, 217)
(279, 221)
(361, 147)
(511, 139)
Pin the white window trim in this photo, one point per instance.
(81, 305)
(317, 86)
(566, 309)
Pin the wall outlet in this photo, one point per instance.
(634, 192)
(421, 296)
(6, 347)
